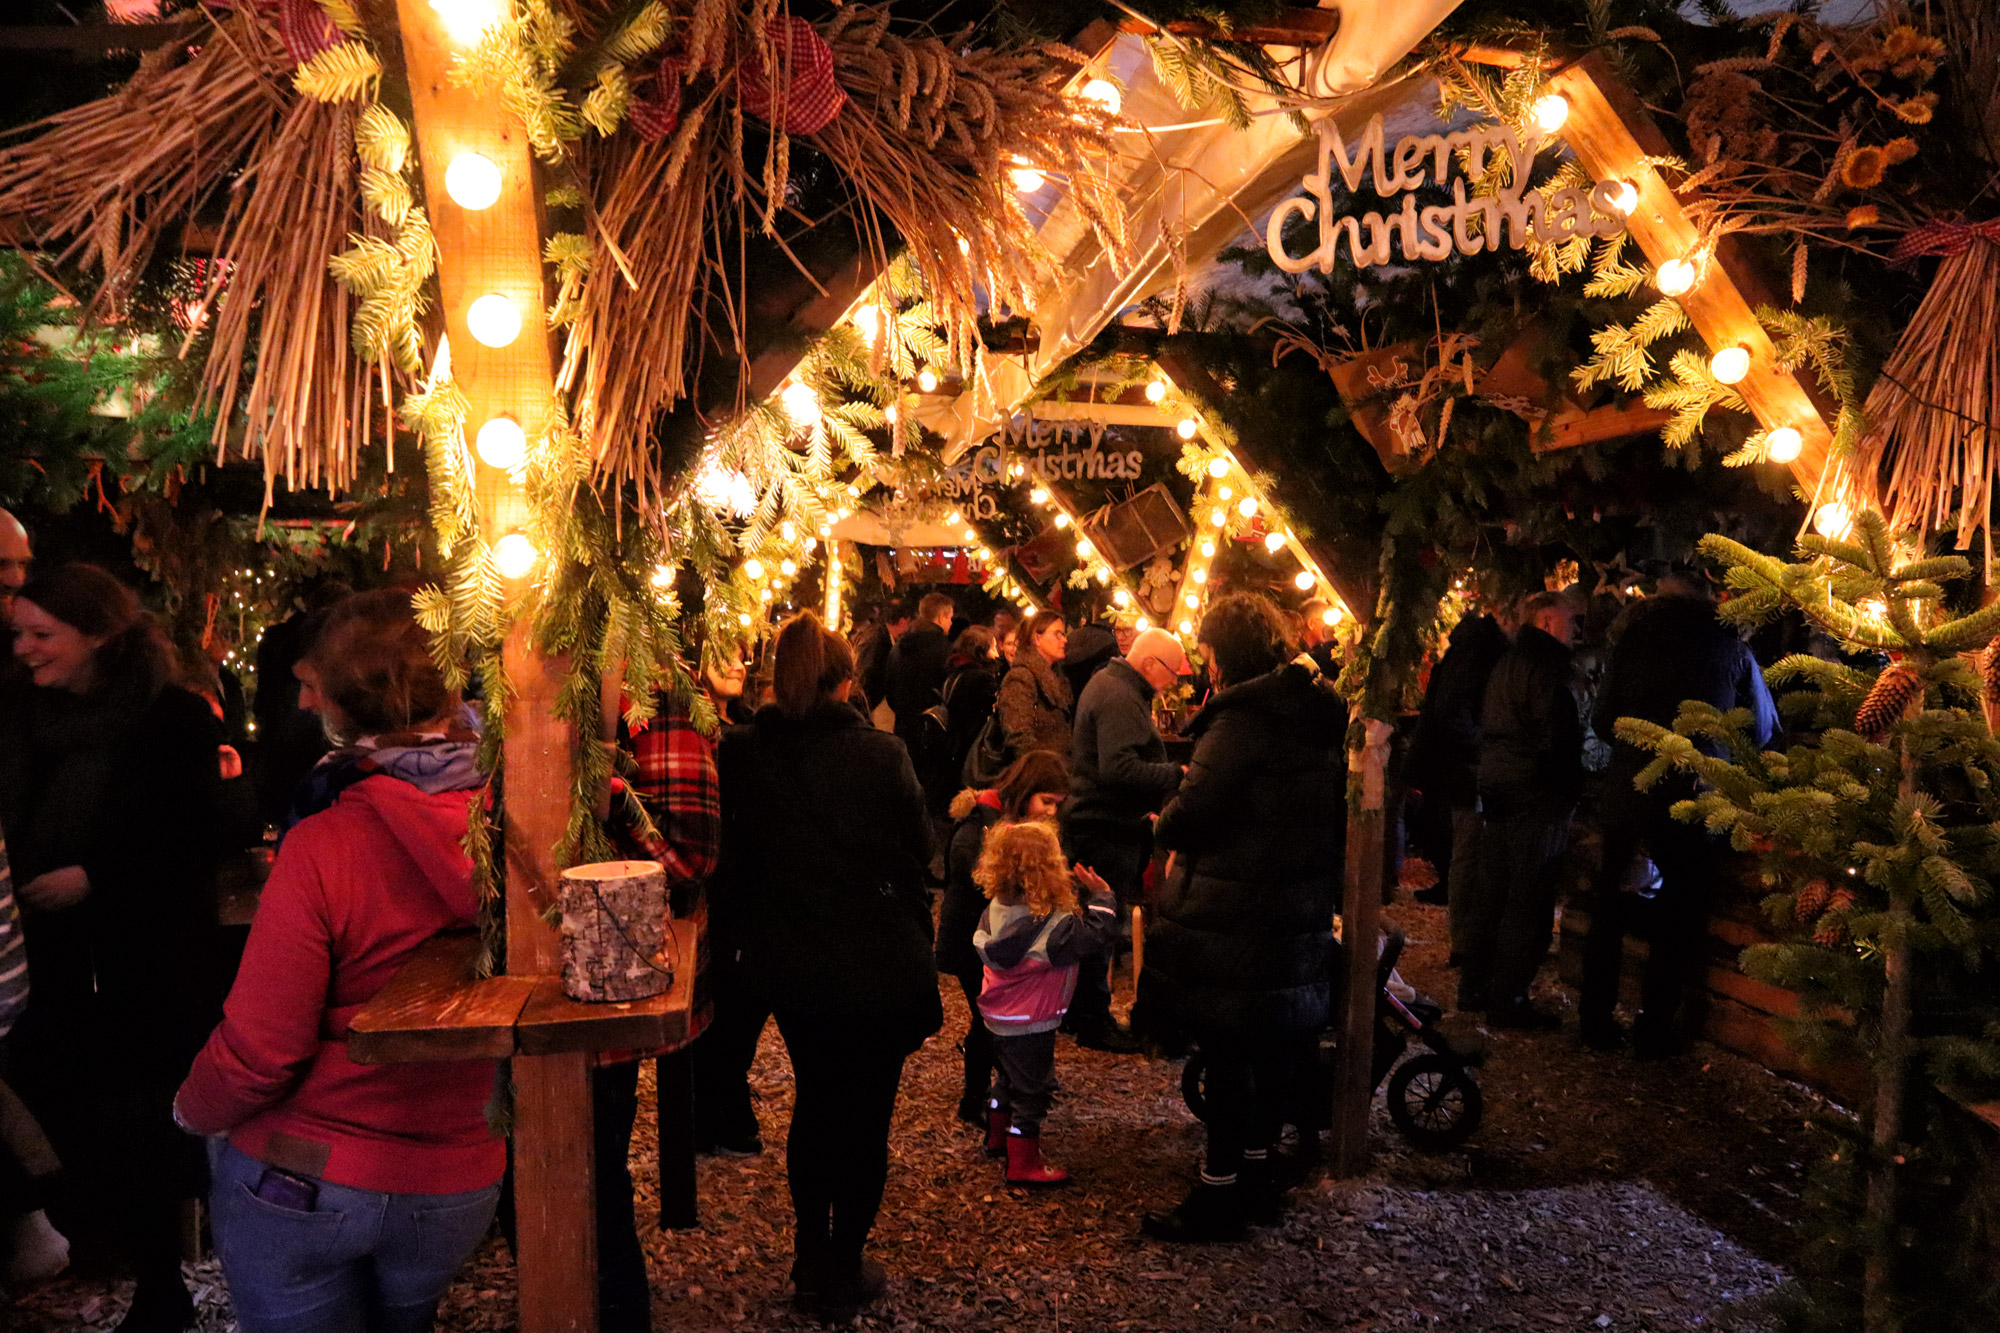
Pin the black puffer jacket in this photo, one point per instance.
(964, 901)
(1531, 734)
(824, 844)
(1444, 762)
(1242, 934)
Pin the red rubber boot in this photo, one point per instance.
(997, 1124)
(1025, 1165)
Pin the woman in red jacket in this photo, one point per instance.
(345, 1195)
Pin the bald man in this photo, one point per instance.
(1120, 776)
(15, 557)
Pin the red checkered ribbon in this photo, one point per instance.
(805, 74)
(1944, 237)
(656, 114)
(304, 28)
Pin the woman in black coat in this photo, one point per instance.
(1238, 950)
(825, 841)
(1033, 787)
(110, 785)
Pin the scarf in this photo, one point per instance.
(430, 761)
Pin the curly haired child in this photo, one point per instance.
(1032, 937)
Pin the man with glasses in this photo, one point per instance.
(1120, 776)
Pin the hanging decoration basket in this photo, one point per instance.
(614, 931)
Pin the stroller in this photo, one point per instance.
(1433, 1098)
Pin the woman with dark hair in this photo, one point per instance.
(1033, 787)
(109, 783)
(972, 674)
(1035, 700)
(824, 844)
(1242, 934)
(345, 1195)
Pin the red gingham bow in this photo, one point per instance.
(805, 72)
(655, 115)
(1947, 237)
(305, 29)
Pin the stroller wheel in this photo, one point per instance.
(1434, 1102)
(1192, 1092)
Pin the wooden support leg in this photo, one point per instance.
(555, 1194)
(675, 1089)
(1361, 929)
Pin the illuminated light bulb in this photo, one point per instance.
(662, 576)
(788, 530)
(466, 21)
(1083, 549)
(473, 181)
(1187, 627)
(964, 246)
(927, 379)
(1207, 549)
(1730, 365)
(1142, 624)
(868, 319)
(1304, 581)
(1218, 468)
(953, 519)
(1105, 93)
(502, 444)
(1200, 576)
(494, 320)
(763, 594)
(1626, 201)
(1186, 428)
(1062, 520)
(754, 568)
(1832, 519)
(983, 553)
(1038, 496)
(1274, 542)
(1104, 574)
(1156, 390)
(1122, 598)
(788, 568)
(891, 414)
(971, 536)
(1027, 180)
(743, 619)
(1224, 493)
(515, 555)
(1330, 616)
(801, 402)
(826, 529)
(1192, 601)
(1220, 518)
(1248, 506)
(1784, 444)
(1551, 112)
(1676, 277)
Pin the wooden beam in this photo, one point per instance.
(1567, 431)
(1611, 133)
(1300, 27)
(498, 251)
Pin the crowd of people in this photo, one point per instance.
(877, 812)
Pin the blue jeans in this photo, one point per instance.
(359, 1261)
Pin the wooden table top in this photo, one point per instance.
(435, 1010)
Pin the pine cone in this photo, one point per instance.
(1841, 901)
(1811, 900)
(1830, 933)
(1893, 690)
(1989, 670)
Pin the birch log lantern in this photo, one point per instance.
(614, 932)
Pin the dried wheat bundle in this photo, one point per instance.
(925, 142)
(101, 185)
(1931, 412)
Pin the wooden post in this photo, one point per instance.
(498, 250)
(1360, 934)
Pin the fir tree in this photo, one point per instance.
(1878, 832)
